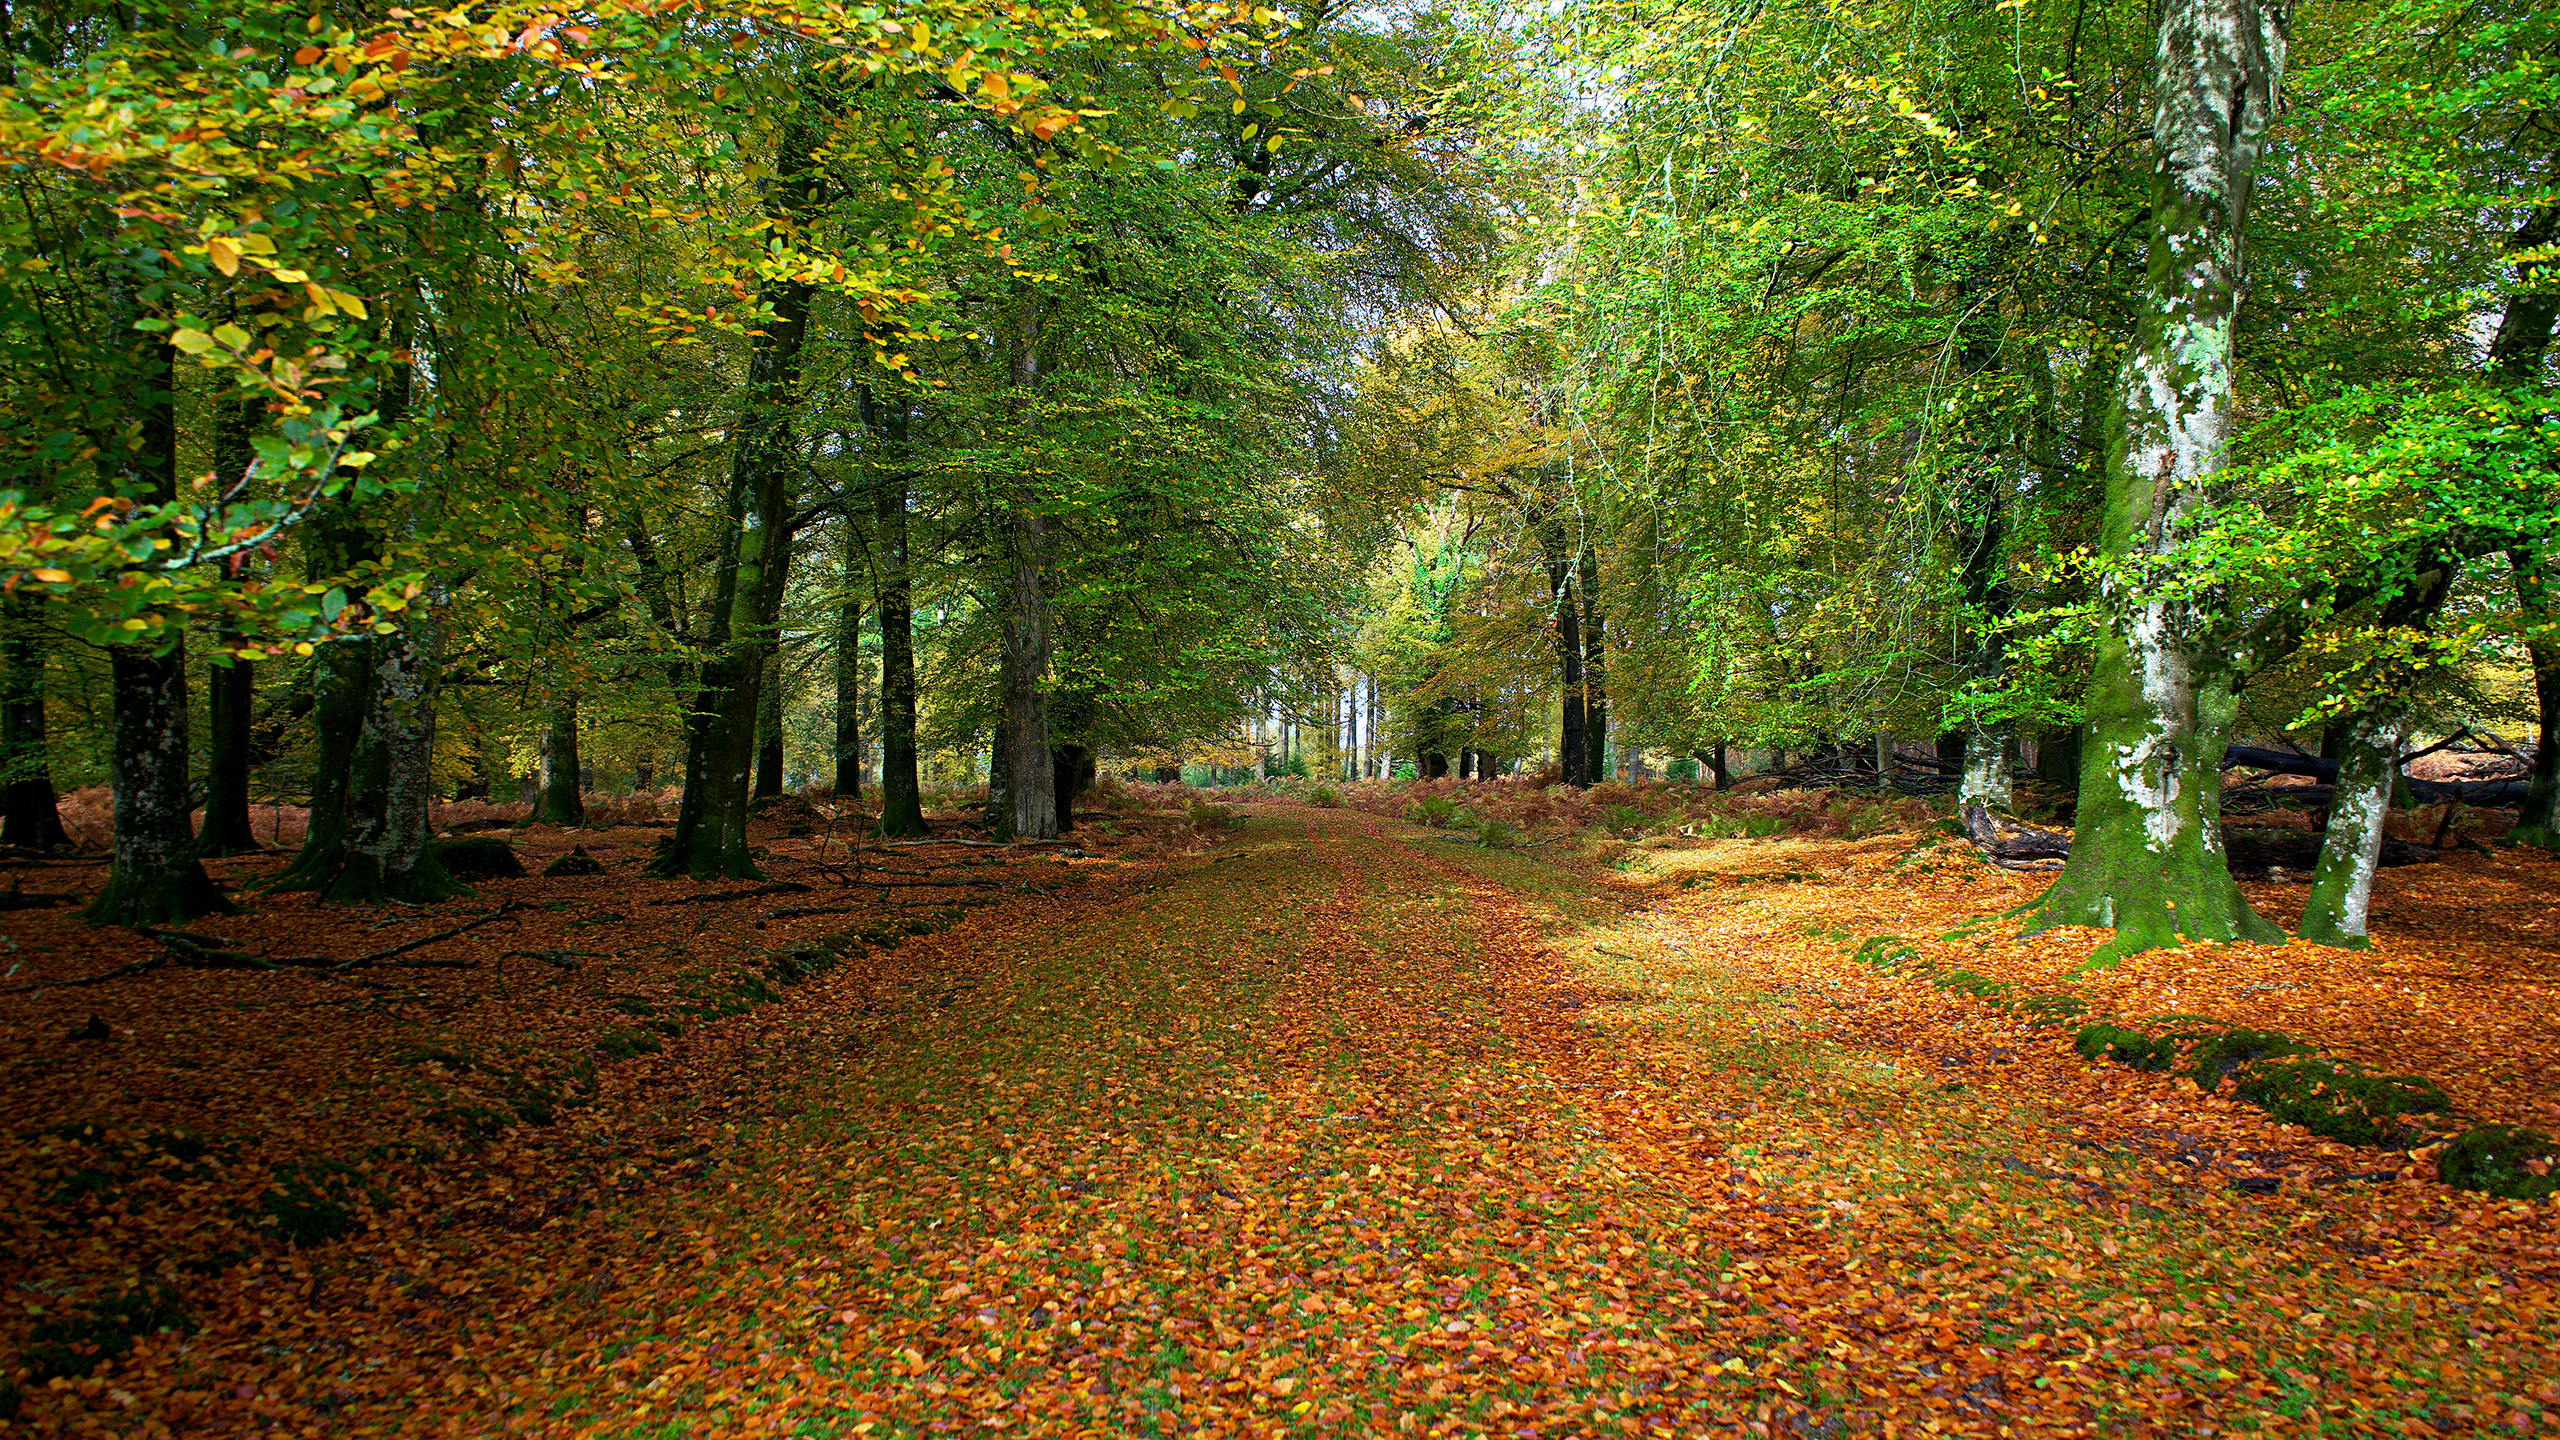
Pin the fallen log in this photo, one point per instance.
(2011, 845)
(2494, 794)
(2249, 852)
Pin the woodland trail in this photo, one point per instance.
(1352, 1130)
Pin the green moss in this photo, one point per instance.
(2050, 1009)
(624, 1044)
(2340, 1099)
(2503, 1160)
(1885, 952)
(71, 1346)
(478, 857)
(632, 1005)
(312, 1201)
(2133, 1049)
(2219, 1057)
(1965, 982)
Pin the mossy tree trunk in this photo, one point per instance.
(341, 690)
(2342, 882)
(769, 750)
(386, 855)
(2369, 770)
(2146, 856)
(2539, 599)
(30, 812)
(562, 803)
(2516, 356)
(155, 878)
(710, 837)
(349, 782)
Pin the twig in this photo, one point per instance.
(378, 956)
(556, 959)
(136, 968)
(778, 887)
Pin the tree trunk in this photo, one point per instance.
(230, 684)
(1570, 753)
(33, 816)
(2516, 356)
(2536, 596)
(2058, 757)
(1026, 624)
(998, 816)
(1595, 669)
(341, 691)
(2342, 881)
(387, 856)
(1714, 760)
(710, 839)
(342, 542)
(2368, 772)
(155, 878)
(562, 803)
(1984, 492)
(848, 748)
(901, 795)
(1072, 771)
(769, 751)
(2147, 855)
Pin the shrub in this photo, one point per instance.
(1207, 817)
(2504, 1160)
(1325, 797)
(1497, 834)
(1432, 810)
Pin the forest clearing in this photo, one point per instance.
(1794, 718)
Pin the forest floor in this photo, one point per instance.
(1336, 1125)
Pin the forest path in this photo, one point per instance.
(1355, 1130)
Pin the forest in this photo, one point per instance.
(1773, 717)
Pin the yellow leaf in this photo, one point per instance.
(54, 577)
(225, 255)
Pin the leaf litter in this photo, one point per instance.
(1348, 1132)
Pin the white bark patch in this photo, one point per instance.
(1987, 778)
(2143, 772)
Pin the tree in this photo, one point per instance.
(2146, 856)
